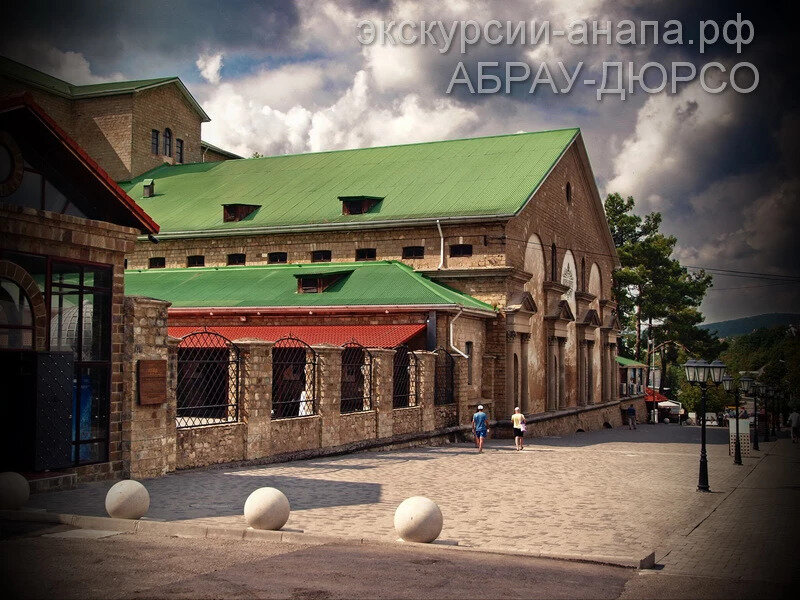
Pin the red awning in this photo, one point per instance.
(371, 336)
(650, 393)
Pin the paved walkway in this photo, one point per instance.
(611, 492)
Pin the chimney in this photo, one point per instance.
(148, 188)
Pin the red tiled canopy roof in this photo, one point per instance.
(371, 336)
(650, 393)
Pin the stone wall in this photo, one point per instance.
(201, 446)
(160, 108)
(148, 431)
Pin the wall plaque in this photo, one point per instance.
(152, 376)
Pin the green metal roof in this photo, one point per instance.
(487, 176)
(379, 283)
(46, 82)
(627, 362)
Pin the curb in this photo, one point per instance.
(193, 530)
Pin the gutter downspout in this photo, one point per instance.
(441, 246)
(452, 345)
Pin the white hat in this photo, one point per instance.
(480, 406)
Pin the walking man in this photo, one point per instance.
(631, 417)
(480, 427)
(794, 423)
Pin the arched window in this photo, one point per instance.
(569, 192)
(553, 263)
(167, 142)
(16, 317)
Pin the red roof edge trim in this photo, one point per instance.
(148, 225)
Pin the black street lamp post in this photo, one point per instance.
(758, 390)
(744, 386)
(775, 398)
(698, 372)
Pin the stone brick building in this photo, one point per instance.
(65, 227)
(128, 127)
(514, 221)
(506, 232)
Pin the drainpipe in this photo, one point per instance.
(452, 345)
(441, 247)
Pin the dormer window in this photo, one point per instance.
(316, 283)
(238, 212)
(358, 205)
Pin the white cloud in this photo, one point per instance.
(209, 65)
(72, 67)
(665, 156)
(356, 118)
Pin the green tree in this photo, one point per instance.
(651, 286)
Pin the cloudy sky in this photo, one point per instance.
(280, 77)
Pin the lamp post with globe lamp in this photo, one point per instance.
(730, 386)
(698, 373)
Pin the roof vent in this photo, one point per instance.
(148, 188)
(358, 205)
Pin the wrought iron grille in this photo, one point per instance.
(444, 379)
(356, 378)
(208, 380)
(294, 379)
(406, 378)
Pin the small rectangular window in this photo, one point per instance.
(414, 252)
(457, 250)
(154, 141)
(236, 259)
(157, 262)
(366, 254)
(321, 256)
(195, 260)
(468, 352)
(277, 258)
(179, 151)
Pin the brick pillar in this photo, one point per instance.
(329, 392)
(462, 396)
(383, 390)
(149, 438)
(255, 395)
(426, 362)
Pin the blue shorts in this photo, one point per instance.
(480, 433)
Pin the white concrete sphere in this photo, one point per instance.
(267, 508)
(418, 519)
(666, 420)
(127, 499)
(14, 490)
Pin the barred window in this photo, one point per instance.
(414, 252)
(457, 250)
(275, 258)
(366, 254)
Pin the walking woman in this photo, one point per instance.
(518, 423)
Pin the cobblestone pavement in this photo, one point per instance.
(611, 492)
